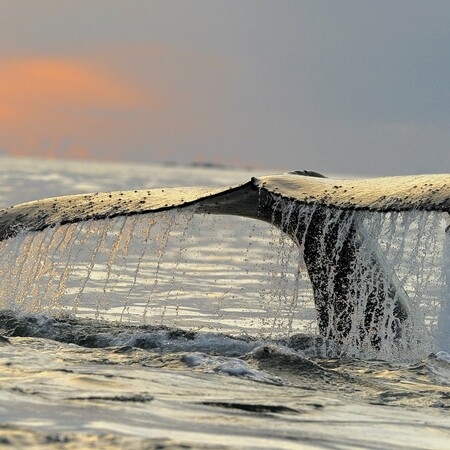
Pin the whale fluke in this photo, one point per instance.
(328, 203)
(46, 213)
(402, 193)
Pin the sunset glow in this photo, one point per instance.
(50, 102)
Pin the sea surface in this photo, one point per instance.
(181, 330)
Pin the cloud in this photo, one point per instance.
(58, 82)
(47, 102)
(137, 102)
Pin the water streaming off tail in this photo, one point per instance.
(236, 275)
(413, 247)
(391, 297)
(173, 268)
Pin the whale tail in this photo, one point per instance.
(349, 275)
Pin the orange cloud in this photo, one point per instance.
(59, 99)
(132, 102)
(55, 83)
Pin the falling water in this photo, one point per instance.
(412, 250)
(159, 269)
(155, 268)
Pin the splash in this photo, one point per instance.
(173, 268)
(244, 277)
(380, 279)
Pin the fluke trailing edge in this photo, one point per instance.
(310, 208)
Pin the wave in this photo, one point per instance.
(162, 339)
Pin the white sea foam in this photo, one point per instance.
(443, 356)
(229, 366)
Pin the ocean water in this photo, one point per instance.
(182, 330)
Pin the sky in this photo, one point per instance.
(352, 86)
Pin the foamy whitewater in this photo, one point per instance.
(183, 330)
